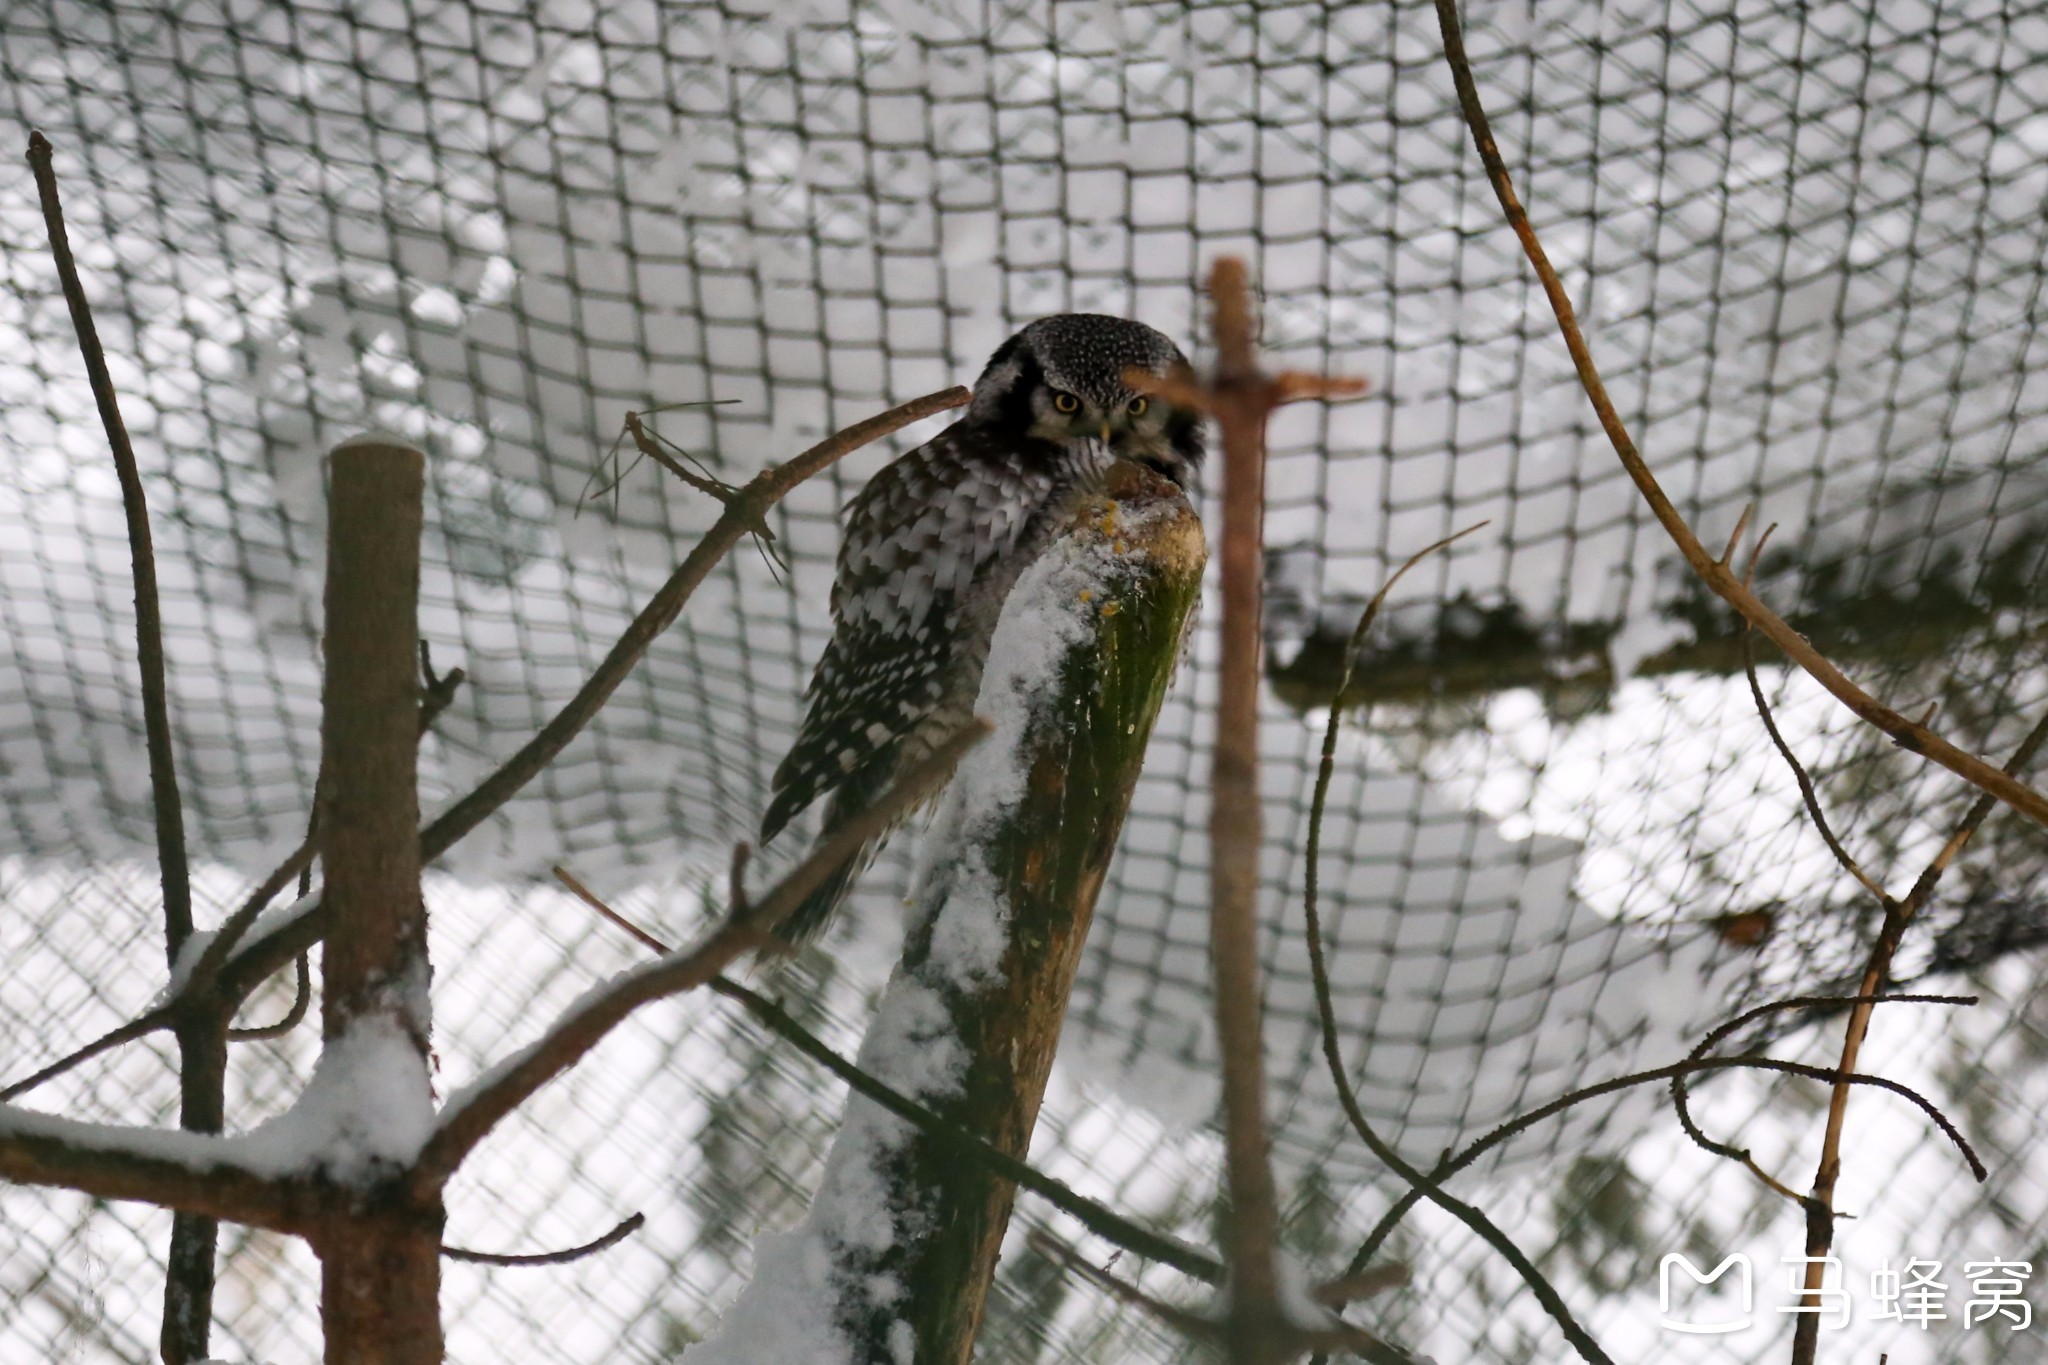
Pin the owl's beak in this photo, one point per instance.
(1105, 433)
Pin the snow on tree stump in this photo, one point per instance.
(894, 1260)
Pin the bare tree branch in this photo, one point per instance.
(747, 508)
(1199, 1327)
(302, 999)
(1676, 1072)
(141, 1026)
(1333, 1055)
(195, 1173)
(1098, 1218)
(1720, 578)
(200, 981)
(625, 1229)
(202, 1049)
(149, 630)
(469, 1116)
(1681, 1099)
(1897, 915)
(1806, 789)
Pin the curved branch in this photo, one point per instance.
(1907, 734)
(1664, 1073)
(149, 628)
(302, 998)
(625, 1229)
(1421, 1185)
(1807, 794)
(1681, 1099)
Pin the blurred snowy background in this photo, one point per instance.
(1808, 245)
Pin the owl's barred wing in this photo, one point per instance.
(926, 543)
(870, 690)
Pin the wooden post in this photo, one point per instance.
(1020, 889)
(379, 1253)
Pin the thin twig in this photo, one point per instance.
(1421, 1185)
(1735, 537)
(141, 1026)
(1681, 1100)
(1098, 1218)
(744, 511)
(467, 1118)
(1806, 789)
(1183, 1320)
(302, 998)
(593, 489)
(625, 1229)
(149, 630)
(207, 970)
(651, 445)
(1298, 1336)
(1719, 578)
(1692, 1066)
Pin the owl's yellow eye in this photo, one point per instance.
(1137, 406)
(1063, 401)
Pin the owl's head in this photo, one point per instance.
(1061, 379)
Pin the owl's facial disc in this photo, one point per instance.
(1061, 380)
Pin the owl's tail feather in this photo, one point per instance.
(816, 910)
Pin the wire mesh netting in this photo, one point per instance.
(1807, 242)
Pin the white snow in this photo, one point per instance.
(366, 1110)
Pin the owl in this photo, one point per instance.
(933, 545)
